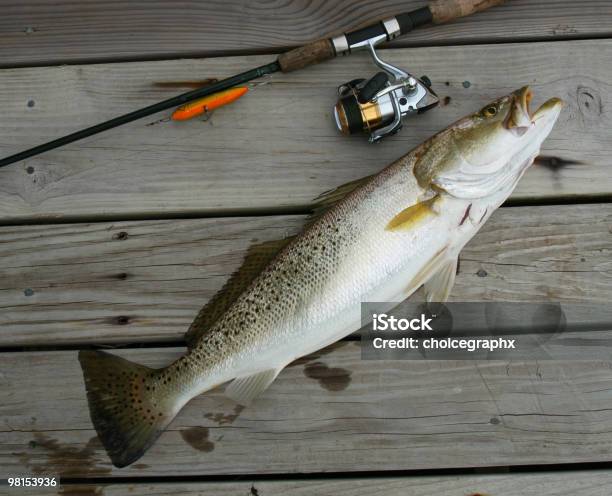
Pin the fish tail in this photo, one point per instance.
(125, 404)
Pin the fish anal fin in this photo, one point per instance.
(411, 216)
(427, 271)
(439, 286)
(244, 390)
(256, 259)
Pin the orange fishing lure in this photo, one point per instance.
(208, 103)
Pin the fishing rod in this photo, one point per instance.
(375, 106)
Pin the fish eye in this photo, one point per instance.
(490, 111)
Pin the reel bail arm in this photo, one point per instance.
(379, 105)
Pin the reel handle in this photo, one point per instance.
(447, 10)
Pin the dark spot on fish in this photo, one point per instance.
(332, 379)
(466, 214)
(482, 273)
(254, 491)
(222, 418)
(555, 163)
(28, 292)
(494, 421)
(466, 84)
(447, 83)
(122, 276)
(583, 259)
(120, 235)
(30, 169)
(197, 438)
(446, 101)
(31, 103)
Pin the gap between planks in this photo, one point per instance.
(407, 415)
(57, 32)
(593, 199)
(593, 482)
(276, 150)
(274, 52)
(144, 281)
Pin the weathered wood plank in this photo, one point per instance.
(276, 148)
(585, 483)
(50, 32)
(331, 412)
(145, 281)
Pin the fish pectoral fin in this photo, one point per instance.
(411, 216)
(244, 390)
(439, 286)
(256, 259)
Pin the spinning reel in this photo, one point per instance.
(377, 106)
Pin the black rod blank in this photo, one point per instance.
(176, 101)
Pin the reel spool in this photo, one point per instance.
(377, 106)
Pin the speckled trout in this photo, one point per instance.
(377, 239)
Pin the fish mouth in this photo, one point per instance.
(548, 108)
(520, 119)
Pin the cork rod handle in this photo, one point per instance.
(447, 10)
(310, 54)
(438, 12)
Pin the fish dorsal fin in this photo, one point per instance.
(256, 259)
(328, 199)
(411, 216)
(244, 390)
(439, 286)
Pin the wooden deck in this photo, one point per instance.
(119, 240)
